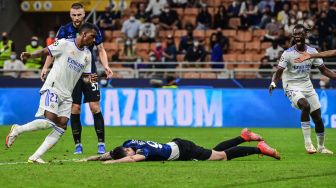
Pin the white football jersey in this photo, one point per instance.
(69, 64)
(297, 75)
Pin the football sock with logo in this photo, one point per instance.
(99, 126)
(241, 151)
(48, 143)
(76, 128)
(37, 124)
(229, 143)
(306, 132)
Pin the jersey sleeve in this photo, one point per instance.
(283, 61)
(143, 151)
(61, 33)
(317, 61)
(56, 48)
(99, 37)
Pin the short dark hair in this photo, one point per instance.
(86, 26)
(77, 6)
(118, 153)
(300, 26)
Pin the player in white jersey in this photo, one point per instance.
(299, 89)
(72, 60)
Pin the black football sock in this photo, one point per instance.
(241, 151)
(99, 126)
(229, 143)
(76, 128)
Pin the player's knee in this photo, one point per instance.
(75, 109)
(305, 106)
(94, 107)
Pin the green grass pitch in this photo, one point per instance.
(295, 169)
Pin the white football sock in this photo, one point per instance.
(37, 124)
(48, 143)
(306, 132)
(320, 139)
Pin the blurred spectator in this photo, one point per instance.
(156, 22)
(266, 17)
(170, 52)
(223, 40)
(313, 39)
(313, 10)
(265, 65)
(213, 40)
(331, 13)
(221, 18)
(278, 6)
(51, 38)
(196, 53)
(248, 14)
(203, 18)
(216, 52)
(13, 64)
(6, 48)
(131, 27)
(289, 26)
(158, 51)
(283, 15)
(169, 19)
(234, 8)
(155, 6)
(106, 21)
(128, 54)
(195, 3)
(324, 28)
(325, 82)
(186, 41)
(272, 53)
(141, 14)
(295, 11)
(33, 63)
(265, 4)
(272, 31)
(147, 32)
(171, 82)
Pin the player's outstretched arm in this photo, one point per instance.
(128, 159)
(327, 72)
(106, 156)
(275, 79)
(104, 60)
(39, 53)
(305, 56)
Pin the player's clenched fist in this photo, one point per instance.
(271, 87)
(25, 55)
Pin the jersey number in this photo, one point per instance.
(154, 144)
(95, 86)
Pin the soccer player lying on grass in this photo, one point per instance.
(72, 61)
(185, 150)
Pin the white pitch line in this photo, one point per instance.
(53, 161)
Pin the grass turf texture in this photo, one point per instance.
(295, 169)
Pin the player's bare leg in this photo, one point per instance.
(99, 125)
(305, 125)
(59, 126)
(319, 129)
(76, 127)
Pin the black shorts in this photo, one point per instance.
(90, 90)
(190, 151)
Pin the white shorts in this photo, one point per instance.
(175, 154)
(294, 95)
(50, 101)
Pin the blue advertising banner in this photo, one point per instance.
(178, 107)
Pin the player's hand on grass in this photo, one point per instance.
(271, 88)
(109, 72)
(109, 162)
(25, 55)
(303, 57)
(43, 74)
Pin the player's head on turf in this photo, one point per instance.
(299, 35)
(120, 152)
(77, 14)
(87, 34)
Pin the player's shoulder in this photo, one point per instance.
(311, 49)
(290, 50)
